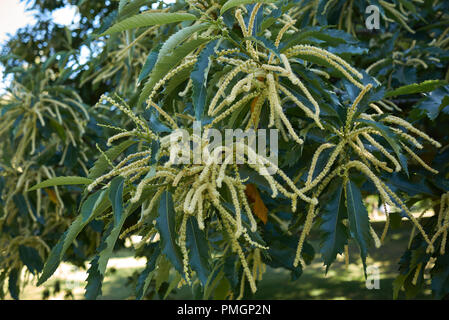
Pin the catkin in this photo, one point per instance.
(305, 232)
(411, 128)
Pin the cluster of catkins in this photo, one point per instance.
(198, 186)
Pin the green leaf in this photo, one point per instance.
(148, 19)
(235, 3)
(398, 283)
(94, 205)
(409, 5)
(222, 290)
(282, 256)
(162, 274)
(94, 280)
(121, 4)
(348, 49)
(199, 79)
(13, 283)
(31, 258)
(173, 284)
(335, 237)
(440, 276)
(358, 219)
(102, 164)
(169, 57)
(426, 86)
(95, 277)
(198, 250)
(411, 186)
(332, 37)
(131, 8)
(214, 279)
(116, 199)
(149, 65)
(61, 181)
(165, 223)
(147, 274)
(436, 102)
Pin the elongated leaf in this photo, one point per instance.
(121, 4)
(333, 229)
(95, 277)
(440, 276)
(214, 278)
(199, 79)
(149, 65)
(173, 284)
(235, 3)
(426, 86)
(358, 219)
(198, 250)
(131, 8)
(93, 206)
(148, 19)
(165, 223)
(94, 280)
(436, 102)
(147, 274)
(116, 199)
(169, 57)
(61, 181)
(13, 283)
(348, 49)
(162, 274)
(31, 258)
(332, 37)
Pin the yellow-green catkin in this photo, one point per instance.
(305, 232)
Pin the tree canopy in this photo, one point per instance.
(88, 124)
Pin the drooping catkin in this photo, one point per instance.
(295, 80)
(346, 248)
(317, 153)
(382, 150)
(305, 232)
(272, 97)
(377, 242)
(236, 247)
(411, 128)
(306, 110)
(418, 159)
(353, 108)
(387, 224)
(183, 245)
(243, 66)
